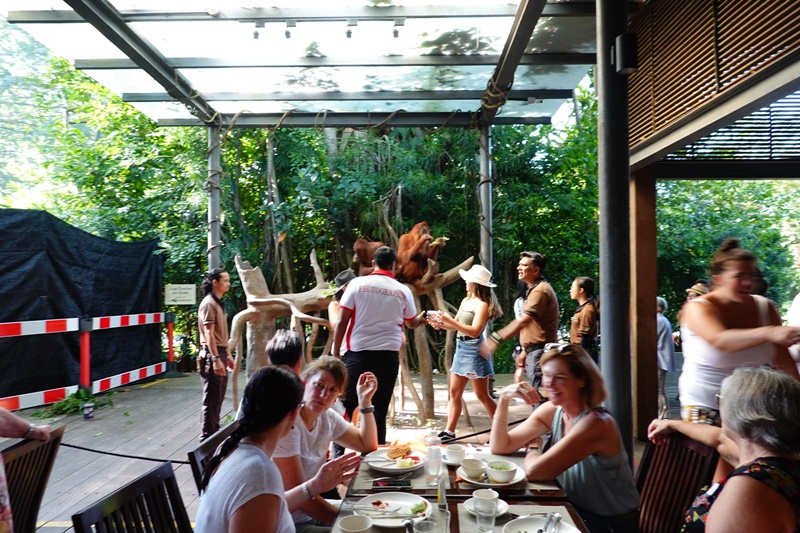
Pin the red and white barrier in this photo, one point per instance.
(119, 380)
(121, 321)
(35, 399)
(38, 327)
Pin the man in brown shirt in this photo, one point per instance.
(538, 324)
(213, 361)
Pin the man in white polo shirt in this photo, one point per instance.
(373, 311)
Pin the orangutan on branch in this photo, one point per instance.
(364, 250)
(414, 250)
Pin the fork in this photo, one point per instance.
(387, 478)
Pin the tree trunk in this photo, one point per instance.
(262, 310)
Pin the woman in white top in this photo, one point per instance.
(304, 449)
(727, 328)
(479, 306)
(242, 490)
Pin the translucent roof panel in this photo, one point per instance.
(312, 56)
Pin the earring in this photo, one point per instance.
(292, 426)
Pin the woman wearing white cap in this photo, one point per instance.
(476, 309)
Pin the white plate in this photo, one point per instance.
(502, 507)
(381, 463)
(518, 476)
(402, 501)
(535, 523)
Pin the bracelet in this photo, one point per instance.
(214, 357)
(533, 449)
(425, 314)
(306, 491)
(367, 410)
(31, 429)
(496, 336)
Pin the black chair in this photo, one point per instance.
(28, 464)
(669, 477)
(149, 504)
(200, 455)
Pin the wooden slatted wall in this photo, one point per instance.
(692, 51)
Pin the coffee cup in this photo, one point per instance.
(455, 453)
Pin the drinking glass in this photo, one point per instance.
(485, 511)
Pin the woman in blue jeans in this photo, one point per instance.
(476, 310)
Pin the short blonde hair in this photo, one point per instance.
(581, 366)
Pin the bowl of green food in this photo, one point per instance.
(501, 471)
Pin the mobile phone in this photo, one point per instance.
(391, 484)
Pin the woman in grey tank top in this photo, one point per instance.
(585, 452)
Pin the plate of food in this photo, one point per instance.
(395, 459)
(532, 524)
(502, 507)
(484, 481)
(390, 509)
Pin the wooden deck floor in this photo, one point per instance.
(161, 420)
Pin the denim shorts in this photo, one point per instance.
(468, 362)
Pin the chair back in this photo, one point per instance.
(28, 464)
(149, 504)
(669, 477)
(200, 455)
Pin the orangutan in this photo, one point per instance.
(414, 250)
(364, 250)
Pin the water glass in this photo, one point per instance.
(442, 519)
(426, 526)
(485, 511)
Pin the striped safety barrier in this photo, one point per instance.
(119, 380)
(85, 327)
(35, 399)
(37, 327)
(122, 321)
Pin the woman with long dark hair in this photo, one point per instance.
(583, 325)
(242, 489)
(479, 306)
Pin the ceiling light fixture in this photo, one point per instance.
(289, 24)
(396, 33)
(349, 33)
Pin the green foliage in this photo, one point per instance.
(694, 217)
(73, 404)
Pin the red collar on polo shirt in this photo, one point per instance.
(382, 273)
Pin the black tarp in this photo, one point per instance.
(53, 270)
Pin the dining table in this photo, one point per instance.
(528, 500)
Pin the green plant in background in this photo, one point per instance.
(73, 404)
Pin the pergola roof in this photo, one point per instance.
(325, 62)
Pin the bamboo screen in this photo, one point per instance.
(692, 51)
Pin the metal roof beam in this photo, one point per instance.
(107, 21)
(538, 94)
(528, 14)
(357, 120)
(323, 14)
(309, 62)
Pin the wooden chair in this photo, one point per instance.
(149, 504)
(200, 455)
(28, 464)
(669, 477)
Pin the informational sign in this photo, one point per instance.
(180, 294)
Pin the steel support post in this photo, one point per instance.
(212, 186)
(614, 203)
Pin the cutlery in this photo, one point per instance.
(389, 478)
